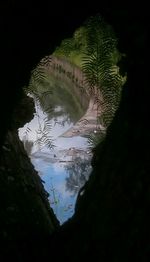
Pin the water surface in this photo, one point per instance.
(63, 163)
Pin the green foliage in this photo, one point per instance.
(43, 134)
(67, 46)
(64, 97)
(39, 89)
(39, 86)
(93, 47)
(79, 38)
(100, 66)
(72, 48)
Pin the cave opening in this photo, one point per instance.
(111, 218)
(56, 142)
(76, 92)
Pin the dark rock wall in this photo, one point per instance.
(26, 218)
(112, 215)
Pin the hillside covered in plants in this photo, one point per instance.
(93, 48)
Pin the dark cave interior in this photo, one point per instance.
(111, 221)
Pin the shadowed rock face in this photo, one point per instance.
(26, 219)
(23, 112)
(111, 218)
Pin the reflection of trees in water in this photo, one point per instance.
(61, 121)
(78, 172)
(61, 98)
(56, 101)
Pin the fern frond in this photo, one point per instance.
(98, 66)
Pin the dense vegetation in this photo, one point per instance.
(93, 48)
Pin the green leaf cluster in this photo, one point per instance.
(93, 48)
